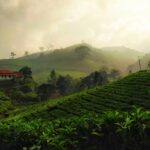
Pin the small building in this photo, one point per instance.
(8, 74)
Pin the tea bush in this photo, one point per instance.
(110, 131)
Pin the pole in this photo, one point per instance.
(139, 63)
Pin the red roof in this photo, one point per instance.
(5, 71)
(9, 72)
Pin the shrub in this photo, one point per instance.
(3, 96)
(112, 130)
(22, 97)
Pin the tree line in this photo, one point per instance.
(27, 90)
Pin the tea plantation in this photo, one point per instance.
(133, 90)
(111, 117)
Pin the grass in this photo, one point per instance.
(43, 76)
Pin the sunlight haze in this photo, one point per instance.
(29, 24)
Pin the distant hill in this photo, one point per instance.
(144, 63)
(76, 60)
(121, 56)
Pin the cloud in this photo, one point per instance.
(28, 24)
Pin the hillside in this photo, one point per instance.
(76, 60)
(144, 63)
(120, 95)
(122, 55)
(100, 119)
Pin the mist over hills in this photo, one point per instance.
(144, 63)
(76, 60)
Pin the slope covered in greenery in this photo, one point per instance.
(77, 60)
(5, 105)
(101, 118)
(120, 95)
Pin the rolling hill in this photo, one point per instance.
(119, 95)
(77, 60)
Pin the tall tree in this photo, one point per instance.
(114, 73)
(26, 71)
(53, 77)
(45, 91)
(95, 78)
(13, 54)
(65, 85)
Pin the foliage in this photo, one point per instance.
(56, 85)
(119, 95)
(3, 96)
(53, 77)
(20, 96)
(65, 85)
(45, 91)
(24, 90)
(112, 130)
(114, 73)
(28, 84)
(26, 71)
(82, 51)
(5, 104)
(64, 123)
(94, 79)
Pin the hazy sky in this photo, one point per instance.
(28, 24)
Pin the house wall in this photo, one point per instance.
(2, 77)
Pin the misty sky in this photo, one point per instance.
(29, 24)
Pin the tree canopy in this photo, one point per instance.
(26, 71)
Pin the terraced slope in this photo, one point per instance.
(120, 95)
